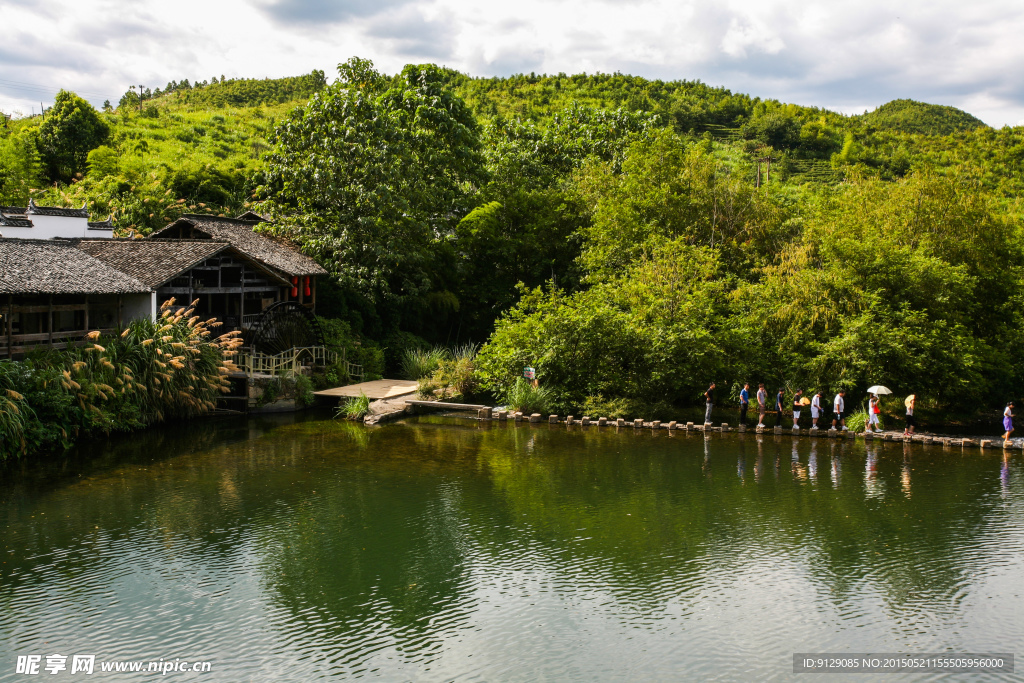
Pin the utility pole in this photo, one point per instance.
(767, 161)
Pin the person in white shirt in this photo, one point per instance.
(873, 411)
(911, 422)
(815, 410)
(762, 404)
(1008, 423)
(839, 405)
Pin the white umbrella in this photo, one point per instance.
(878, 389)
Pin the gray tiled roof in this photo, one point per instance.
(277, 253)
(15, 210)
(14, 221)
(152, 262)
(251, 216)
(56, 211)
(102, 225)
(57, 267)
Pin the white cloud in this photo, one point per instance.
(843, 54)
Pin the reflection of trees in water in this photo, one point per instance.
(655, 509)
(362, 526)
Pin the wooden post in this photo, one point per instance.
(241, 305)
(118, 311)
(10, 325)
(86, 312)
(49, 315)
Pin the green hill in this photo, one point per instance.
(196, 146)
(909, 116)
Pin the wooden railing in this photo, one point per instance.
(23, 343)
(254, 362)
(248, 321)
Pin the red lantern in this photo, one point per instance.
(307, 286)
(295, 286)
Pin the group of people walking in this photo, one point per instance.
(819, 408)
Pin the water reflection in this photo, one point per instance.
(812, 462)
(444, 549)
(905, 472)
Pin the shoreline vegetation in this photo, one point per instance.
(148, 373)
(630, 240)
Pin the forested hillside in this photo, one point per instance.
(629, 238)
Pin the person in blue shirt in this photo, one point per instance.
(778, 408)
(744, 403)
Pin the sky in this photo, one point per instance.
(844, 55)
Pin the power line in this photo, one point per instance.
(19, 85)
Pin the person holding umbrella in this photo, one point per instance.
(911, 422)
(1008, 423)
(875, 407)
(873, 411)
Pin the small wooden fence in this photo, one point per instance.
(254, 362)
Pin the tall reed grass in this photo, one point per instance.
(150, 372)
(420, 363)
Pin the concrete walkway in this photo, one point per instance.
(378, 389)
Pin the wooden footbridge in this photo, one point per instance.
(375, 390)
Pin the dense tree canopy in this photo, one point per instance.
(620, 234)
(373, 174)
(69, 131)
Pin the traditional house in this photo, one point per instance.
(47, 222)
(227, 284)
(64, 275)
(276, 254)
(53, 294)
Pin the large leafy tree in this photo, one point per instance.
(70, 130)
(525, 228)
(648, 333)
(668, 189)
(915, 285)
(373, 174)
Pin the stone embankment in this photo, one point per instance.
(619, 423)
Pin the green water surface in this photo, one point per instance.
(448, 549)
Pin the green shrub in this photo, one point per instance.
(527, 398)
(397, 346)
(455, 376)
(420, 363)
(857, 421)
(304, 391)
(428, 388)
(338, 336)
(354, 408)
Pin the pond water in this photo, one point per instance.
(443, 548)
